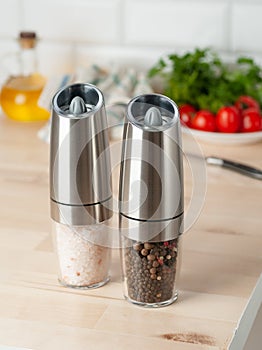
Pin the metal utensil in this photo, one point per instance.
(241, 168)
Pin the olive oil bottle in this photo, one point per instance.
(21, 91)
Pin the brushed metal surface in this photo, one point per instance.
(151, 231)
(80, 171)
(151, 176)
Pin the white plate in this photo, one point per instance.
(224, 138)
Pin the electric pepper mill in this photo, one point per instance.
(151, 201)
(80, 186)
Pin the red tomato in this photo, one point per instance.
(186, 114)
(251, 120)
(244, 102)
(204, 120)
(228, 119)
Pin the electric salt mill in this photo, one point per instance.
(80, 186)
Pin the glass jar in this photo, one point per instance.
(24, 84)
(83, 255)
(150, 271)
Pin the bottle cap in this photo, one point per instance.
(27, 40)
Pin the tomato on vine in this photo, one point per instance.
(204, 120)
(245, 102)
(251, 120)
(228, 119)
(187, 112)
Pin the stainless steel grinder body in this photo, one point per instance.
(80, 184)
(151, 200)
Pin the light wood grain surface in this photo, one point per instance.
(221, 263)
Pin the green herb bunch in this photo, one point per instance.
(201, 79)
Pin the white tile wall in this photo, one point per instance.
(55, 58)
(10, 17)
(136, 32)
(178, 24)
(73, 20)
(247, 26)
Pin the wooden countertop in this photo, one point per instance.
(221, 263)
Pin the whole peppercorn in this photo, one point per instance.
(150, 271)
(148, 245)
(144, 252)
(153, 270)
(151, 257)
(137, 246)
(155, 263)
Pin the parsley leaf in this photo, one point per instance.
(201, 78)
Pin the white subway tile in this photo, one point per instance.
(9, 18)
(8, 46)
(92, 21)
(247, 26)
(180, 24)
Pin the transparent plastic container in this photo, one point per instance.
(82, 263)
(150, 271)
